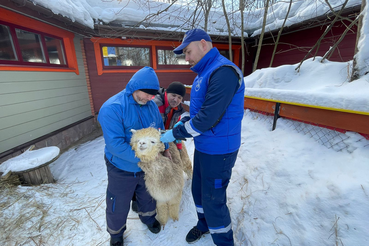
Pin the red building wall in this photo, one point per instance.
(293, 47)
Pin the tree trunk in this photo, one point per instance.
(279, 34)
(261, 36)
(206, 7)
(229, 31)
(242, 8)
(355, 70)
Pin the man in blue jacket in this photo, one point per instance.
(131, 108)
(216, 112)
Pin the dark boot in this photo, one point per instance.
(194, 235)
(134, 203)
(134, 206)
(116, 241)
(155, 227)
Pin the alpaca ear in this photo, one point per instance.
(133, 130)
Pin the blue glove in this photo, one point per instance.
(179, 123)
(167, 137)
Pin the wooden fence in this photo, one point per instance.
(336, 119)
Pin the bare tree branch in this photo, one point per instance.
(330, 52)
(317, 44)
(195, 17)
(206, 7)
(337, 16)
(279, 34)
(149, 16)
(341, 17)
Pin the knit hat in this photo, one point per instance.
(191, 36)
(150, 91)
(177, 88)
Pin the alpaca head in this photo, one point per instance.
(146, 143)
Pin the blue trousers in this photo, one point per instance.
(121, 186)
(211, 175)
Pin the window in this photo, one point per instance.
(7, 51)
(225, 53)
(126, 56)
(30, 46)
(21, 46)
(167, 59)
(55, 50)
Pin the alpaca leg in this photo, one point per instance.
(162, 212)
(186, 162)
(174, 206)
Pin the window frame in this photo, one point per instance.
(125, 67)
(36, 26)
(96, 41)
(18, 50)
(171, 66)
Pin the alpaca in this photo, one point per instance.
(163, 177)
(181, 156)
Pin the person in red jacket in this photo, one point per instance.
(170, 104)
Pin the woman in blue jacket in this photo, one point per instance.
(131, 108)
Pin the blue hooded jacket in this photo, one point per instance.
(121, 113)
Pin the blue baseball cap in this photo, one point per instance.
(191, 36)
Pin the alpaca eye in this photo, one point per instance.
(152, 142)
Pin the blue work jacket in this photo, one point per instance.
(225, 137)
(121, 113)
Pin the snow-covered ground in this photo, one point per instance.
(286, 189)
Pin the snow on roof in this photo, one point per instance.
(163, 16)
(300, 11)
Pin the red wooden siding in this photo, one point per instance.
(249, 59)
(293, 47)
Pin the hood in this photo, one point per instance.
(145, 78)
